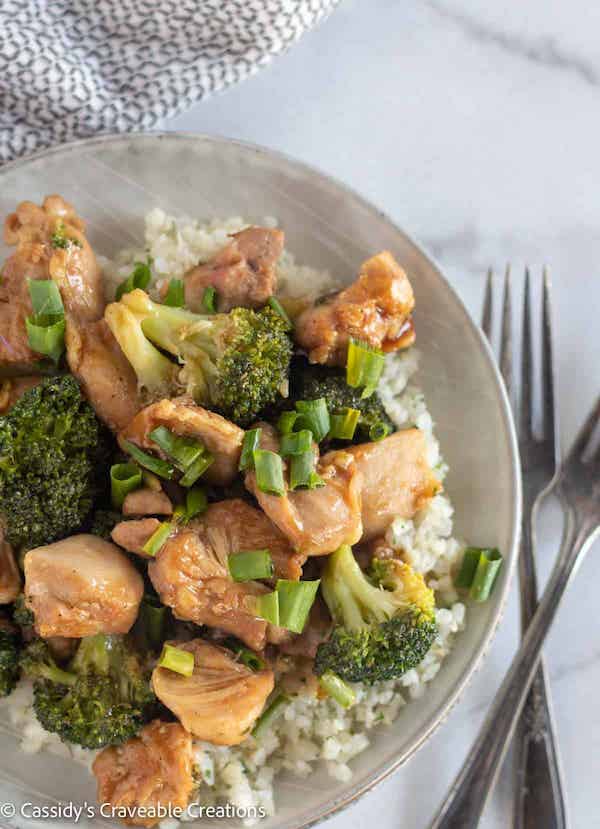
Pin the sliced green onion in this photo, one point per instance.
(250, 565)
(163, 469)
(209, 299)
(158, 538)
(175, 296)
(379, 431)
(269, 472)
(466, 574)
(279, 309)
(302, 471)
(267, 607)
(182, 450)
(249, 658)
(196, 469)
(140, 277)
(175, 659)
(153, 619)
(295, 601)
(46, 335)
(250, 444)
(296, 443)
(315, 417)
(343, 425)
(124, 478)
(45, 297)
(196, 502)
(337, 689)
(364, 366)
(271, 713)
(488, 567)
(286, 422)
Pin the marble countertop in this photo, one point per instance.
(476, 127)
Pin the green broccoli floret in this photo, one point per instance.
(379, 633)
(236, 363)
(102, 698)
(22, 615)
(104, 521)
(309, 382)
(10, 646)
(52, 448)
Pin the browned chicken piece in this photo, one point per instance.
(50, 244)
(316, 521)
(132, 535)
(222, 699)
(233, 526)
(375, 309)
(147, 502)
(190, 578)
(81, 586)
(222, 438)
(13, 389)
(243, 273)
(10, 577)
(149, 771)
(317, 630)
(108, 380)
(397, 480)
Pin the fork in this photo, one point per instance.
(540, 797)
(578, 488)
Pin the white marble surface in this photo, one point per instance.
(476, 126)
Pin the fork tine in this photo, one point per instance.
(585, 434)
(548, 380)
(526, 403)
(486, 317)
(506, 343)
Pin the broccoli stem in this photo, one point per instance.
(352, 600)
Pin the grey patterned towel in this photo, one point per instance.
(72, 68)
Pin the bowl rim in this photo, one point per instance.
(436, 720)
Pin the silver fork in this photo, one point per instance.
(540, 799)
(578, 488)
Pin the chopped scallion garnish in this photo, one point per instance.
(153, 622)
(250, 444)
(343, 425)
(45, 297)
(478, 572)
(177, 660)
(196, 469)
(295, 443)
(140, 277)
(158, 538)
(466, 574)
(250, 565)
(302, 471)
(286, 422)
(163, 469)
(279, 309)
(124, 478)
(183, 451)
(378, 431)
(273, 710)
(267, 607)
(249, 658)
(269, 472)
(195, 502)
(295, 601)
(209, 300)
(337, 689)
(175, 296)
(46, 335)
(364, 366)
(314, 416)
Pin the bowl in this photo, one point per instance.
(114, 181)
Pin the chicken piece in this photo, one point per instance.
(10, 577)
(222, 438)
(375, 309)
(243, 273)
(132, 535)
(397, 480)
(316, 521)
(149, 771)
(190, 578)
(147, 502)
(13, 389)
(233, 526)
(222, 699)
(317, 630)
(81, 586)
(108, 380)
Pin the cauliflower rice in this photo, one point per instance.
(309, 731)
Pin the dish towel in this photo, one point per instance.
(73, 68)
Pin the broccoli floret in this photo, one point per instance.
(309, 382)
(10, 646)
(102, 698)
(52, 451)
(22, 615)
(235, 363)
(382, 629)
(104, 521)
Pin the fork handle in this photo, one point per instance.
(466, 799)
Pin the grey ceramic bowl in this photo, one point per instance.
(113, 181)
